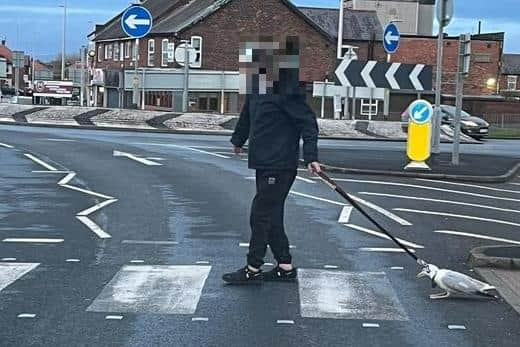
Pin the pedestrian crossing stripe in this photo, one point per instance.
(10, 272)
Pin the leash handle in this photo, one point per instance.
(333, 185)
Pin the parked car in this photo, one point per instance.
(470, 125)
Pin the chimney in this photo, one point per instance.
(3, 42)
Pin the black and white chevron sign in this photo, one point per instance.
(374, 74)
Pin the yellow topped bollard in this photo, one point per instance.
(419, 135)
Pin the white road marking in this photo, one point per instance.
(469, 185)
(67, 178)
(250, 178)
(383, 236)
(441, 201)
(477, 236)
(41, 162)
(243, 244)
(191, 148)
(157, 289)
(344, 217)
(144, 242)
(210, 147)
(89, 192)
(306, 180)
(51, 172)
(202, 262)
(444, 214)
(26, 315)
(348, 295)
(10, 272)
(72, 260)
(5, 145)
(113, 317)
(200, 319)
(225, 153)
(304, 170)
(370, 325)
(206, 152)
(456, 327)
(155, 158)
(330, 266)
(317, 198)
(60, 140)
(515, 184)
(137, 261)
(269, 264)
(8, 259)
(136, 158)
(284, 321)
(31, 240)
(384, 250)
(93, 227)
(397, 268)
(427, 188)
(96, 207)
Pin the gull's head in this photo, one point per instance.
(428, 270)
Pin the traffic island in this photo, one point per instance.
(500, 267)
(472, 167)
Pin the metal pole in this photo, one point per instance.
(322, 113)
(82, 53)
(340, 30)
(354, 103)
(436, 124)
(63, 41)
(222, 94)
(458, 103)
(135, 99)
(386, 111)
(185, 96)
(16, 82)
(143, 99)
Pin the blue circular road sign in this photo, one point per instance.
(421, 111)
(391, 38)
(136, 22)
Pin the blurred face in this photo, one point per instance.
(265, 68)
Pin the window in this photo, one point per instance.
(171, 52)
(128, 48)
(151, 52)
(164, 52)
(116, 51)
(100, 53)
(511, 82)
(108, 51)
(482, 58)
(134, 50)
(122, 51)
(196, 43)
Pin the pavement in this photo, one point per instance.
(121, 239)
(472, 167)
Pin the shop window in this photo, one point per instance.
(213, 104)
(196, 43)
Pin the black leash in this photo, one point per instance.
(331, 183)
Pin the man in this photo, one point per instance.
(274, 118)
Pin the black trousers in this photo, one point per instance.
(267, 214)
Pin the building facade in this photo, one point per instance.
(510, 75)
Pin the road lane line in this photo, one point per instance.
(427, 188)
(477, 236)
(96, 207)
(144, 242)
(456, 327)
(206, 152)
(515, 184)
(88, 192)
(60, 140)
(202, 262)
(469, 185)
(113, 317)
(316, 198)
(136, 158)
(31, 240)
(5, 145)
(344, 216)
(51, 172)
(93, 227)
(26, 315)
(284, 321)
(41, 162)
(306, 180)
(137, 261)
(382, 235)
(384, 250)
(200, 319)
(72, 260)
(331, 267)
(397, 268)
(184, 147)
(67, 178)
(370, 325)
(405, 197)
(8, 259)
(444, 214)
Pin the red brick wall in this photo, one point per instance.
(424, 51)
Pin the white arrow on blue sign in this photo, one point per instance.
(421, 111)
(136, 22)
(391, 38)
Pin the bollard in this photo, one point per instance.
(418, 146)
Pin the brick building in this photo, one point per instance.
(510, 78)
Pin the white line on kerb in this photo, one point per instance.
(93, 227)
(8, 259)
(5, 145)
(31, 240)
(388, 250)
(96, 207)
(469, 185)
(26, 315)
(458, 216)
(382, 235)
(41, 162)
(440, 201)
(427, 188)
(306, 180)
(477, 236)
(202, 262)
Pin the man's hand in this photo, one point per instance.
(314, 167)
(238, 150)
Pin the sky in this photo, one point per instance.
(35, 26)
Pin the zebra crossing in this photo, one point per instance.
(177, 290)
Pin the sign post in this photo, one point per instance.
(444, 16)
(419, 135)
(18, 60)
(391, 41)
(185, 55)
(136, 23)
(463, 71)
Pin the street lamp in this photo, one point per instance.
(63, 39)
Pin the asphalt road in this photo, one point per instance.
(120, 239)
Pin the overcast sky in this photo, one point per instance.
(36, 25)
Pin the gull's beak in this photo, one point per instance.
(422, 274)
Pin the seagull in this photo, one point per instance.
(454, 283)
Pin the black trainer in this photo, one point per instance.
(280, 275)
(244, 276)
